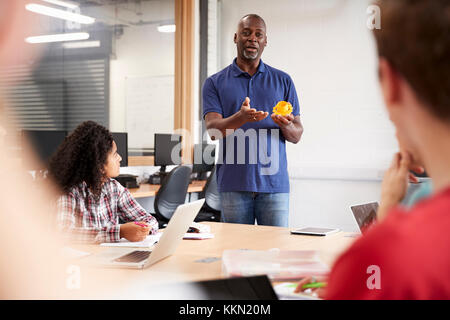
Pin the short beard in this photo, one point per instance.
(250, 56)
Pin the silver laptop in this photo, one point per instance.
(365, 214)
(173, 234)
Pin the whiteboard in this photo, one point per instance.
(149, 108)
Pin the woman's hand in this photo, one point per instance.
(133, 232)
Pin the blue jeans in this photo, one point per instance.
(269, 209)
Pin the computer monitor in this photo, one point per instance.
(44, 143)
(121, 139)
(204, 156)
(166, 146)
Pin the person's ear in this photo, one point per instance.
(390, 83)
(235, 38)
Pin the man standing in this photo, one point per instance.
(252, 169)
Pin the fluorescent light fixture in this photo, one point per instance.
(66, 4)
(57, 13)
(58, 37)
(81, 44)
(167, 28)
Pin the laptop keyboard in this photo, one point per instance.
(135, 256)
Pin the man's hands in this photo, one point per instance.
(219, 127)
(282, 121)
(133, 232)
(290, 126)
(250, 114)
(395, 182)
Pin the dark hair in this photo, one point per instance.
(82, 157)
(415, 39)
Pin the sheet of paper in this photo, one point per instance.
(285, 291)
(203, 228)
(148, 242)
(152, 239)
(198, 236)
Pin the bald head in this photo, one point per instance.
(251, 17)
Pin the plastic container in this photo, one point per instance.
(276, 264)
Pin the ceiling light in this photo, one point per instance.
(66, 4)
(58, 37)
(61, 14)
(167, 28)
(81, 44)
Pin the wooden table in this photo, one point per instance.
(185, 265)
(150, 190)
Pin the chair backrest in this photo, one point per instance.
(172, 192)
(211, 193)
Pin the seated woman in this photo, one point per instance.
(92, 203)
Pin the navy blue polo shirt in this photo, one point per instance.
(253, 158)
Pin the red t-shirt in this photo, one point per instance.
(407, 256)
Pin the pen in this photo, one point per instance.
(314, 285)
(140, 224)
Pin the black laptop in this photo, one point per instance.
(238, 288)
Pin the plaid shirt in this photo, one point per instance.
(84, 219)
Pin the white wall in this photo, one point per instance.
(326, 203)
(348, 141)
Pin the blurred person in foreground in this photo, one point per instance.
(29, 264)
(32, 265)
(407, 256)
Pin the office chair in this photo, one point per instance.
(212, 207)
(171, 194)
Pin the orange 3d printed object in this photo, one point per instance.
(283, 108)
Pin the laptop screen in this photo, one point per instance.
(365, 214)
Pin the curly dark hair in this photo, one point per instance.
(82, 157)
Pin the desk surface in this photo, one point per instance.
(183, 266)
(150, 190)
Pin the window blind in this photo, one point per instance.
(58, 94)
